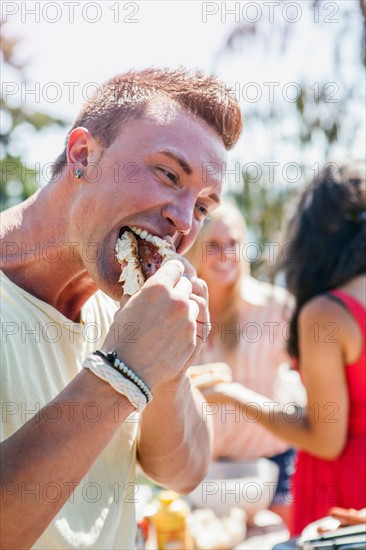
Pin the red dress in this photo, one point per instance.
(319, 484)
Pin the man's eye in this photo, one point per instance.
(203, 211)
(172, 177)
(233, 243)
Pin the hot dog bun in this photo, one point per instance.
(205, 376)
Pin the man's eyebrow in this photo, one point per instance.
(216, 198)
(183, 164)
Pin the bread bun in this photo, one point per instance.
(206, 376)
(140, 257)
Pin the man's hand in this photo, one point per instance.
(167, 316)
(173, 312)
(200, 296)
(346, 517)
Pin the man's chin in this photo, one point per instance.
(108, 284)
(113, 290)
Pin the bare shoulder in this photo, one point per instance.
(321, 308)
(264, 294)
(356, 288)
(330, 333)
(333, 324)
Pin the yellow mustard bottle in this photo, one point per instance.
(170, 523)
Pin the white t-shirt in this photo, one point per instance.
(42, 351)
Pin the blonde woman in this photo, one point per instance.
(248, 331)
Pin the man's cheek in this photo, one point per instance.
(188, 240)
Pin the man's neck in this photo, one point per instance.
(36, 257)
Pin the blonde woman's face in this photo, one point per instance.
(221, 254)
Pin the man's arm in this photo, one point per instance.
(174, 443)
(62, 451)
(175, 440)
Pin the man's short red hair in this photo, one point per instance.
(125, 97)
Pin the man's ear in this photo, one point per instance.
(80, 145)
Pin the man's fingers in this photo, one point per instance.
(203, 316)
(348, 516)
(169, 273)
(193, 310)
(123, 301)
(184, 287)
(188, 267)
(202, 331)
(199, 288)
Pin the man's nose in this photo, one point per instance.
(179, 217)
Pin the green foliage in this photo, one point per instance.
(18, 181)
(314, 118)
(264, 210)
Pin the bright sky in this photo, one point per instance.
(72, 46)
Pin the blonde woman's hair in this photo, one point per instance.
(230, 214)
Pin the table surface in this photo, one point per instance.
(267, 531)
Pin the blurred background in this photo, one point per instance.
(297, 69)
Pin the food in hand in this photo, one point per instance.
(140, 254)
(206, 376)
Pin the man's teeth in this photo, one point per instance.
(143, 234)
(140, 232)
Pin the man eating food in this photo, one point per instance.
(89, 386)
(144, 254)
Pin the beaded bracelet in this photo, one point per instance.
(120, 366)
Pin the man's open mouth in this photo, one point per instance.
(141, 254)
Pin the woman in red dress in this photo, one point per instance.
(324, 262)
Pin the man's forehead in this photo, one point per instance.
(165, 112)
(167, 129)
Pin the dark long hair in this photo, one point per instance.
(325, 240)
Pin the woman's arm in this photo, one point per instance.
(321, 428)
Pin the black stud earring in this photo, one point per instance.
(79, 173)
